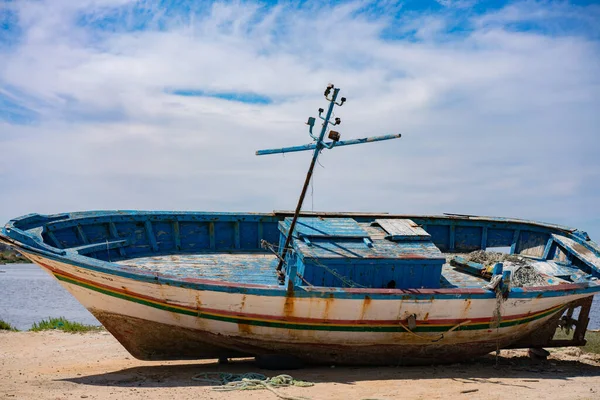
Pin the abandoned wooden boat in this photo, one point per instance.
(341, 288)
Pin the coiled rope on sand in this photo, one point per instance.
(250, 381)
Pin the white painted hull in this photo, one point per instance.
(237, 323)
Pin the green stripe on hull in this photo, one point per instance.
(301, 326)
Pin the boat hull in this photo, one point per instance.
(156, 321)
(154, 341)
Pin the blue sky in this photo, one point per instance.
(122, 104)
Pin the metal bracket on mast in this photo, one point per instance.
(331, 94)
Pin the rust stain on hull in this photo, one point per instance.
(288, 306)
(243, 303)
(244, 329)
(328, 301)
(365, 307)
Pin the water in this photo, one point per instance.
(28, 294)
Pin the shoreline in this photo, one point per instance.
(10, 256)
(58, 365)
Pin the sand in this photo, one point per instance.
(56, 365)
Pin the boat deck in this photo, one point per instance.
(253, 268)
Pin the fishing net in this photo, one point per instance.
(523, 271)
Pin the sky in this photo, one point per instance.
(160, 105)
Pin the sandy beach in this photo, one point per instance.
(56, 365)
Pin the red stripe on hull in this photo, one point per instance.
(290, 318)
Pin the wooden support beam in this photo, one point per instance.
(236, 235)
(102, 246)
(583, 320)
(83, 238)
(547, 249)
(484, 233)
(114, 234)
(176, 237)
(211, 234)
(576, 250)
(81, 235)
(150, 235)
(54, 240)
(260, 233)
(515, 240)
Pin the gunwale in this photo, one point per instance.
(320, 292)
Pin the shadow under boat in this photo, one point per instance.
(521, 370)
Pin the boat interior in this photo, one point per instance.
(328, 249)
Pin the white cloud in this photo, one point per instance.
(457, 3)
(496, 121)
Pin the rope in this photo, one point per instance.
(250, 381)
(222, 378)
(494, 285)
(312, 192)
(498, 316)
(407, 329)
(304, 280)
(345, 280)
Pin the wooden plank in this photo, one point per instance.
(484, 232)
(240, 267)
(81, 235)
(176, 236)
(211, 234)
(54, 240)
(552, 268)
(532, 243)
(236, 235)
(260, 234)
(112, 229)
(577, 250)
(515, 240)
(402, 229)
(97, 247)
(382, 251)
(473, 268)
(150, 235)
(326, 228)
(547, 249)
(583, 319)
(452, 243)
(331, 214)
